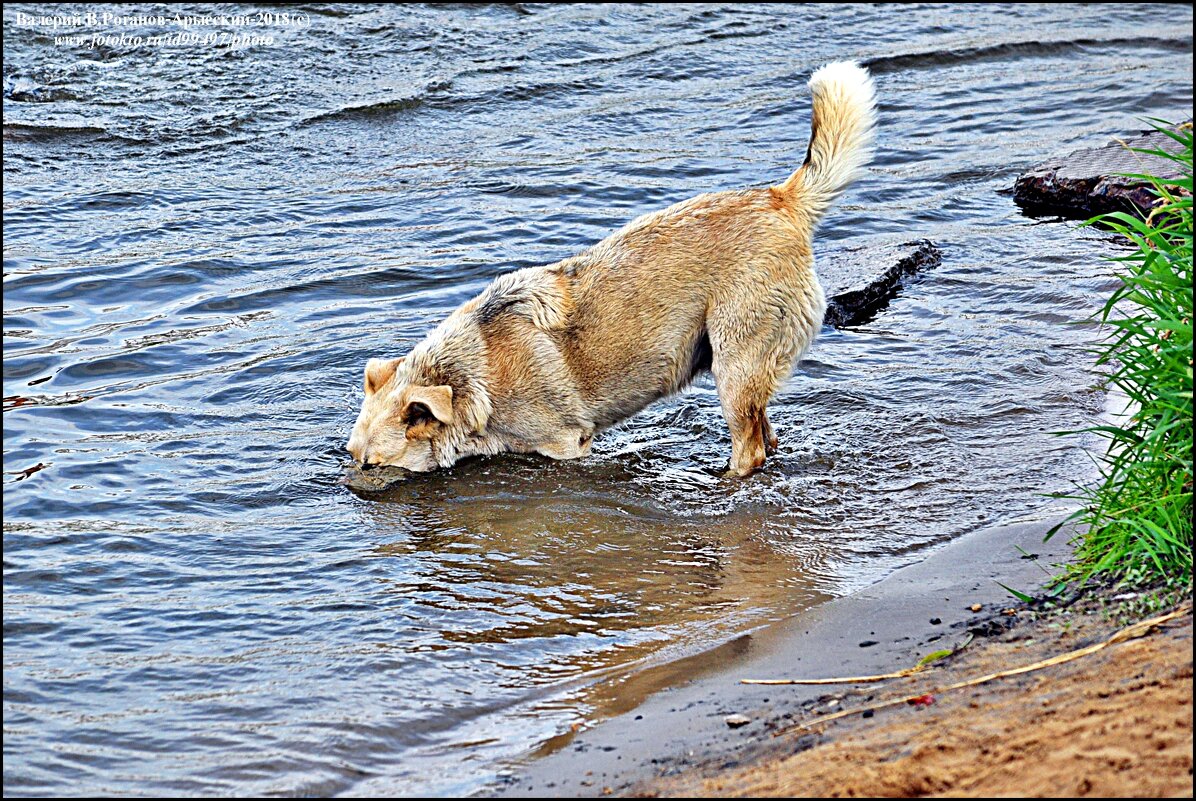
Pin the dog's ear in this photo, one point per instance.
(425, 407)
(378, 372)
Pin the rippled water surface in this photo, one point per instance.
(203, 245)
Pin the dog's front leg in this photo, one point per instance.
(745, 382)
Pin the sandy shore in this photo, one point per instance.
(1113, 723)
(920, 609)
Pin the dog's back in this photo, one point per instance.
(642, 298)
(653, 302)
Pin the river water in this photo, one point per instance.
(204, 243)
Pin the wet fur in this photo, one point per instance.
(546, 357)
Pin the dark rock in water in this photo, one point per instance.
(375, 479)
(858, 287)
(1089, 182)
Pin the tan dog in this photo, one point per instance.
(546, 357)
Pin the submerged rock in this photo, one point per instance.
(860, 282)
(375, 479)
(1092, 181)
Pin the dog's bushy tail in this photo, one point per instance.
(841, 135)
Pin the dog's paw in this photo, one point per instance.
(732, 472)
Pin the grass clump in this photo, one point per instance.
(1137, 520)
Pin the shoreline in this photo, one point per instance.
(1073, 700)
(917, 610)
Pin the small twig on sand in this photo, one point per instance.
(900, 674)
(927, 661)
(1128, 633)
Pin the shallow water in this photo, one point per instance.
(203, 245)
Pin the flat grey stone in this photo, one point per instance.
(1093, 181)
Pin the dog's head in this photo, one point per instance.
(404, 422)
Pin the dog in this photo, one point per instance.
(547, 357)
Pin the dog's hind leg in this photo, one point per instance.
(747, 438)
(756, 339)
(770, 439)
(746, 374)
(744, 398)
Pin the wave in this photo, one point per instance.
(32, 131)
(365, 110)
(24, 90)
(431, 97)
(1010, 50)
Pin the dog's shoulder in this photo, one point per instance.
(538, 295)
